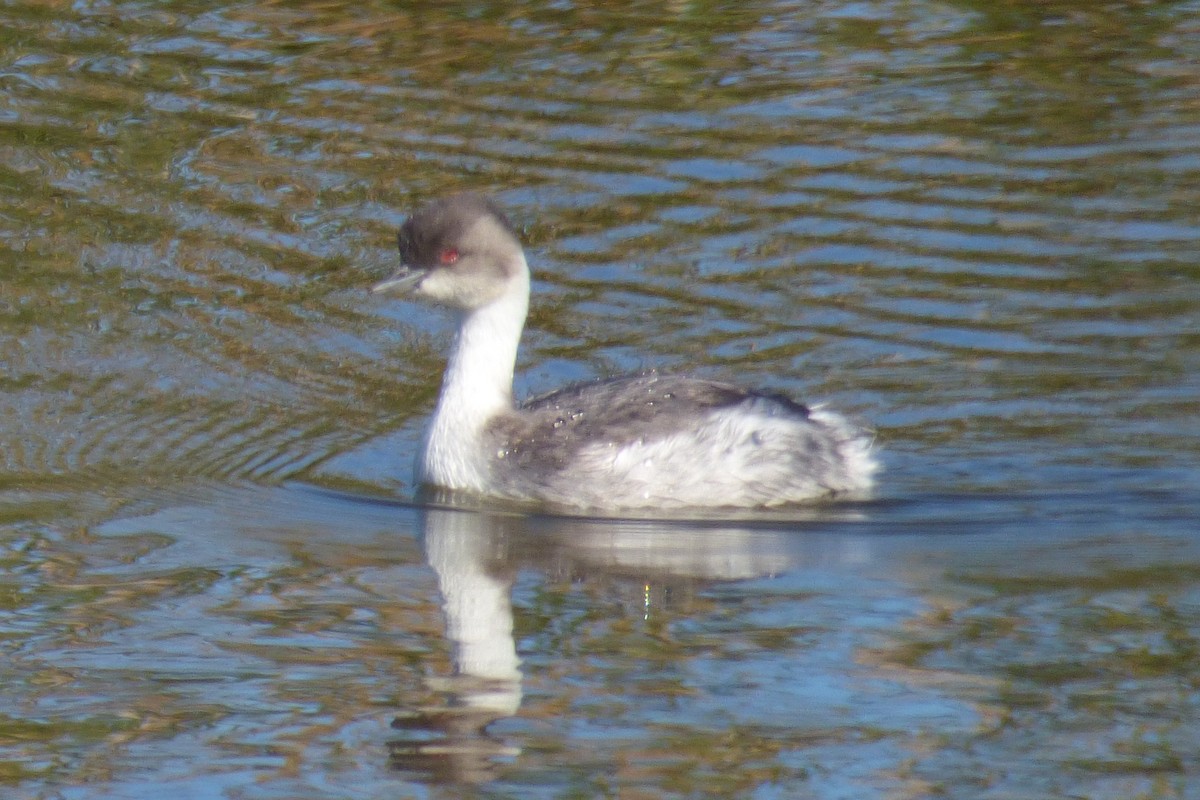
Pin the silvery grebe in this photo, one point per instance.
(649, 441)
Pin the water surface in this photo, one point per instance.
(972, 225)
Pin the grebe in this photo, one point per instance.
(649, 441)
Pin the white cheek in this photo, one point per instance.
(461, 290)
(439, 286)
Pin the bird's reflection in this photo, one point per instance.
(476, 554)
(469, 553)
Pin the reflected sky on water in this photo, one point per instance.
(972, 225)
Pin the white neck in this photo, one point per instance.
(477, 386)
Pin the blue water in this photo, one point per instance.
(973, 227)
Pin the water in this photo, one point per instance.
(973, 225)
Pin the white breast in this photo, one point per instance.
(732, 457)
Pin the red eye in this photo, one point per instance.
(448, 256)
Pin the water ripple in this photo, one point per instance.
(824, 219)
